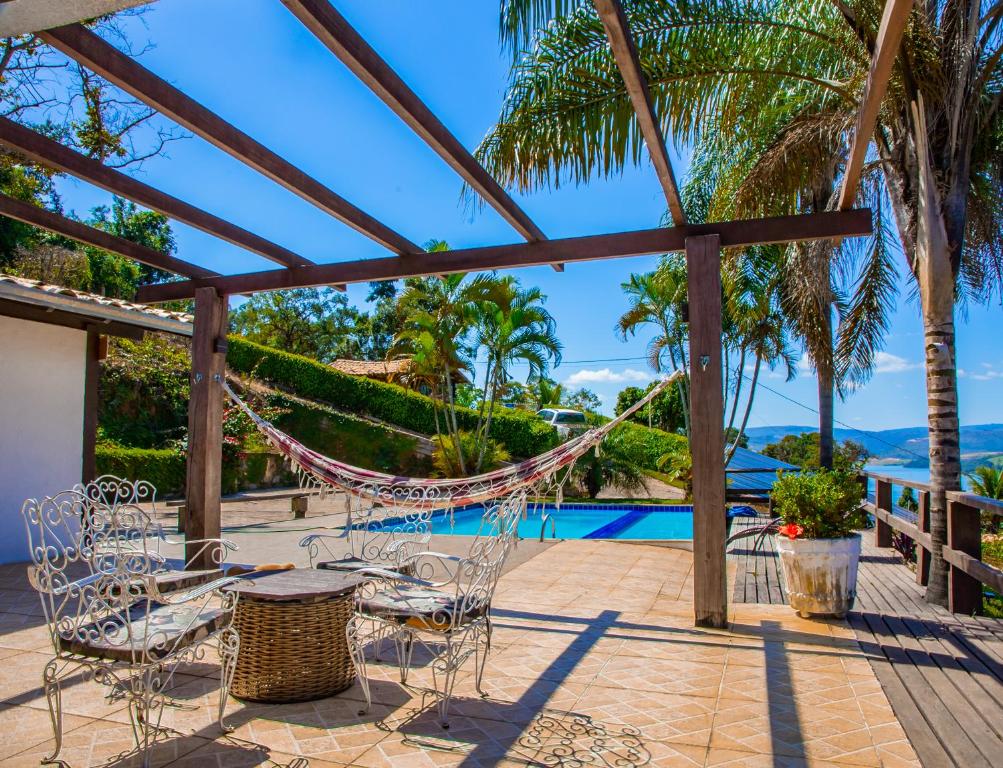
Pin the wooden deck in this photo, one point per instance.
(942, 673)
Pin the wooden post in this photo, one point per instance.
(95, 347)
(922, 554)
(205, 423)
(703, 265)
(883, 501)
(964, 534)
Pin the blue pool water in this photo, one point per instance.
(586, 521)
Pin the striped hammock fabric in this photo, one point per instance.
(435, 493)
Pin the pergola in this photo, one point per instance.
(56, 23)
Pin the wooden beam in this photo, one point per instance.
(893, 24)
(205, 425)
(44, 151)
(780, 229)
(627, 60)
(92, 376)
(94, 53)
(332, 29)
(61, 225)
(710, 581)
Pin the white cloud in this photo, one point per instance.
(606, 376)
(885, 362)
(805, 368)
(988, 373)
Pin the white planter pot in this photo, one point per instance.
(820, 575)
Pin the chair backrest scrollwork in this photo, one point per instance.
(90, 562)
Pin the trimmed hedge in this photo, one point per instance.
(165, 468)
(644, 445)
(348, 438)
(521, 433)
(162, 467)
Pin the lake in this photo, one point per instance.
(914, 474)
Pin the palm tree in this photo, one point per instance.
(658, 298)
(607, 464)
(546, 391)
(802, 64)
(987, 481)
(438, 314)
(760, 328)
(511, 325)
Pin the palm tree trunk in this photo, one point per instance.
(682, 383)
(935, 274)
(727, 380)
(456, 429)
(826, 386)
(825, 418)
(487, 383)
(738, 389)
(487, 426)
(748, 410)
(945, 449)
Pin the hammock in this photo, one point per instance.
(434, 493)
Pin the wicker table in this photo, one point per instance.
(292, 635)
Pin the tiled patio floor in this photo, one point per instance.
(595, 662)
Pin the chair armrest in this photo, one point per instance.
(385, 574)
(179, 598)
(306, 541)
(437, 556)
(223, 547)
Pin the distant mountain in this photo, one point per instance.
(909, 443)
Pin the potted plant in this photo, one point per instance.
(817, 540)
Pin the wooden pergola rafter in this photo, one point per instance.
(334, 31)
(91, 51)
(701, 243)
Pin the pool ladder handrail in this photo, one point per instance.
(543, 527)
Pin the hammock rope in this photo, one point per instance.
(322, 472)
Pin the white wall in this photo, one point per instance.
(41, 420)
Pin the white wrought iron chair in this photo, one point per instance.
(138, 528)
(107, 615)
(443, 603)
(375, 535)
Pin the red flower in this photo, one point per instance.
(791, 530)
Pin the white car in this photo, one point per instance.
(566, 422)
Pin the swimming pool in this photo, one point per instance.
(586, 521)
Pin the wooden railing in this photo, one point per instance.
(967, 573)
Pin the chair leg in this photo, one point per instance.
(446, 666)
(359, 657)
(146, 707)
(482, 647)
(405, 650)
(229, 648)
(54, 695)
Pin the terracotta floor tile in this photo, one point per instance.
(662, 676)
(22, 728)
(102, 743)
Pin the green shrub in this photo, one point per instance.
(163, 467)
(144, 391)
(644, 447)
(444, 459)
(348, 438)
(823, 504)
(521, 433)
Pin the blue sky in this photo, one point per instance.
(255, 65)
